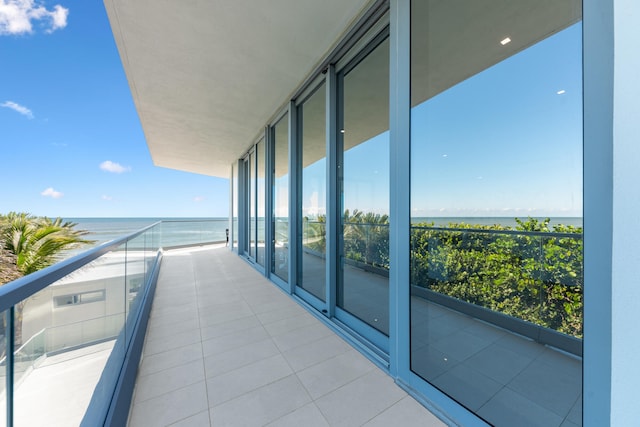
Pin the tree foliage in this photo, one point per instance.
(366, 238)
(533, 272)
(38, 242)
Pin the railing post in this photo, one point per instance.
(541, 279)
(9, 364)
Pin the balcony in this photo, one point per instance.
(226, 346)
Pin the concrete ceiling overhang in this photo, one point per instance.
(206, 76)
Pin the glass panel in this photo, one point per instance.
(260, 188)
(281, 200)
(314, 198)
(496, 203)
(181, 233)
(234, 207)
(135, 279)
(364, 176)
(62, 349)
(251, 194)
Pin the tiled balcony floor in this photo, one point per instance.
(225, 347)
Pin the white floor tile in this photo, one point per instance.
(301, 336)
(305, 356)
(220, 363)
(308, 416)
(361, 400)
(198, 420)
(168, 380)
(246, 379)
(158, 345)
(231, 341)
(333, 373)
(179, 356)
(261, 406)
(406, 413)
(170, 407)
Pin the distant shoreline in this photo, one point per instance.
(496, 220)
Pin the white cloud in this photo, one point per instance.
(58, 18)
(114, 167)
(17, 107)
(105, 197)
(19, 16)
(198, 199)
(50, 192)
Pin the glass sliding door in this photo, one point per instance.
(233, 242)
(260, 186)
(363, 191)
(280, 263)
(250, 164)
(254, 165)
(313, 188)
(496, 203)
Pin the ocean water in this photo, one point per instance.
(106, 229)
(505, 221)
(175, 231)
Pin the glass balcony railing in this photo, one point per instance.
(68, 331)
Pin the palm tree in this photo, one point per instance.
(36, 243)
(8, 269)
(366, 237)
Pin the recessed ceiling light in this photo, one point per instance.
(505, 41)
(560, 92)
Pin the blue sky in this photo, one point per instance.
(70, 138)
(507, 141)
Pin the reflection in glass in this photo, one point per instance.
(496, 202)
(71, 327)
(363, 287)
(136, 266)
(281, 200)
(260, 188)
(311, 115)
(251, 203)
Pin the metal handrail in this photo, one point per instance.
(20, 289)
(193, 220)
